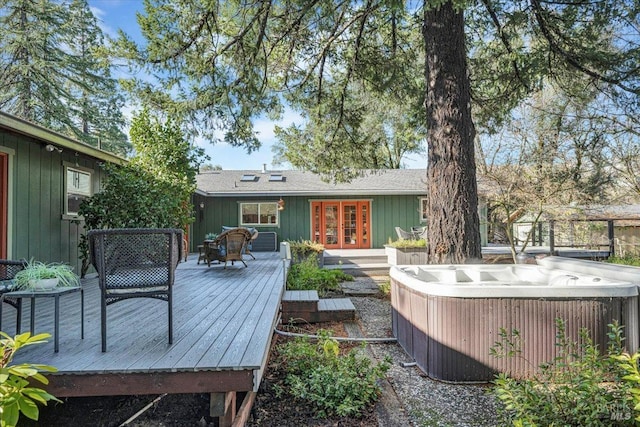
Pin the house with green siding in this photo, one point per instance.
(294, 205)
(43, 178)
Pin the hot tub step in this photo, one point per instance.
(300, 301)
(305, 306)
(335, 310)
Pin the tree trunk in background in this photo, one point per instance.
(453, 221)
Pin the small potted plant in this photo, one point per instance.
(42, 276)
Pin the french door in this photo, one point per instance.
(342, 224)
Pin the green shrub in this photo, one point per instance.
(16, 393)
(332, 383)
(306, 275)
(625, 260)
(385, 288)
(305, 248)
(579, 387)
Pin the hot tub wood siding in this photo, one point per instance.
(450, 338)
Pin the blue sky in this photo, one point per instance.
(121, 14)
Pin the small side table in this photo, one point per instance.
(55, 293)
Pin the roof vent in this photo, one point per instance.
(264, 168)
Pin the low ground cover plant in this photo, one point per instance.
(624, 260)
(407, 243)
(306, 275)
(332, 381)
(581, 386)
(17, 395)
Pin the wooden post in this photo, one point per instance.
(611, 236)
(540, 242)
(223, 406)
(552, 249)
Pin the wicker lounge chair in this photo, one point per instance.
(254, 235)
(135, 263)
(228, 246)
(8, 270)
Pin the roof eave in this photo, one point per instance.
(310, 193)
(23, 127)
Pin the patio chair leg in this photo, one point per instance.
(170, 322)
(103, 325)
(19, 316)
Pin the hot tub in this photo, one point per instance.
(447, 317)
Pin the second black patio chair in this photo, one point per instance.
(8, 270)
(135, 263)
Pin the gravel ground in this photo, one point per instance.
(424, 402)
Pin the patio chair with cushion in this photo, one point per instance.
(404, 235)
(8, 270)
(228, 246)
(419, 232)
(135, 263)
(254, 235)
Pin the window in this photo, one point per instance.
(77, 188)
(248, 178)
(423, 210)
(259, 213)
(276, 177)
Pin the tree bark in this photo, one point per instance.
(453, 221)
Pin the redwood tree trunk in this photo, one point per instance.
(454, 225)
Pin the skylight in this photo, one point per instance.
(276, 177)
(248, 177)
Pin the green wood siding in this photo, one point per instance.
(387, 212)
(37, 226)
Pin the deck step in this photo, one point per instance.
(300, 301)
(306, 306)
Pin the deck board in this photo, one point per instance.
(223, 322)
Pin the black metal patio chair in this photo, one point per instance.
(8, 270)
(135, 263)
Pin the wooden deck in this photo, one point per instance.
(223, 325)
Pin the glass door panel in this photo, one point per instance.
(350, 226)
(364, 221)
(331, 225)
(316, 222)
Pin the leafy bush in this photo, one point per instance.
(16, 394)
(306, 249)
(306, 275)
(332, 383)
(153, 190)
(579, 387)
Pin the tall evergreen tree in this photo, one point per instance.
(221, 63)
(97, 100)
(49, 74)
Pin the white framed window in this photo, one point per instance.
(259, 213)
(423, 209)
(77, 188)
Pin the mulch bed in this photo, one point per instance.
(193, 410)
